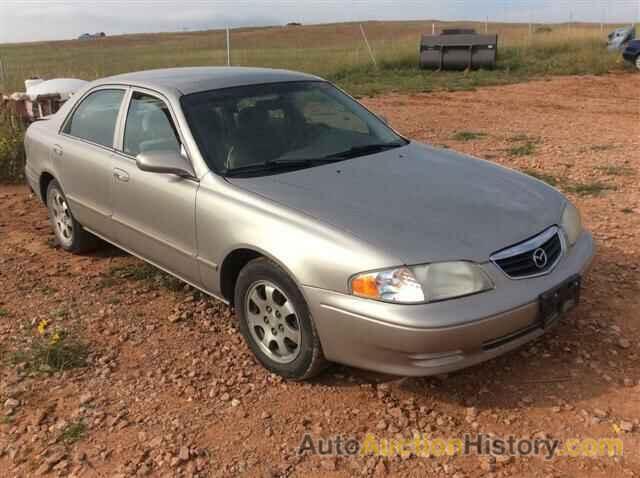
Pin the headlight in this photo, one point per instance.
(571, 223)
(425, 283)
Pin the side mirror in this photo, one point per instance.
(165, 162)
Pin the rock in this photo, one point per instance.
(487, 465)
(183, 454)
(156, 442)
(235, 402)
(381, 425)
(626, 426)
(600, 413)
(380, 470)
(39, 417)
(624, 343)
(86, 398)
(11, 403)
(329, 464)
(225, 397)
(43, 469)
(55, 458)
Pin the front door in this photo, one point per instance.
(153, 213)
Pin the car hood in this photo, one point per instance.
(419, 203)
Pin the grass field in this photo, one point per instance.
(334, 51)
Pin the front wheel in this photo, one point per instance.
(69, 233)
(275, 322)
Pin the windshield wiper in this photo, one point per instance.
(364, 150)
(277, 165)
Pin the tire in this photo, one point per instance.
(637, 62)
(69, 233)
(275, 321)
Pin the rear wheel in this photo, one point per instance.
(638, 62)
(275, 321)
(69, 233)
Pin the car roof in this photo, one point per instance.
(195, 79)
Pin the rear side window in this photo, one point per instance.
(149, 126)
(95, 118)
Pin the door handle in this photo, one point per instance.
(57, 150)
(121, 175)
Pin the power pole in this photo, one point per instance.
(228, 48)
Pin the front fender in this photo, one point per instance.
(312, 252)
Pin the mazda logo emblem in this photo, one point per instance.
(540, 258)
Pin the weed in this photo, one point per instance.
(143, 272)
(602, 147)
(72, 433)
(525, 149)
(52, 351)
(616, 170)
(627, 210)
(594, 188)
(547, 178)
(12, 155)
(7, 419)
(468, 135)
(3, 312)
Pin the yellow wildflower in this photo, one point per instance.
(42, 326)
(55, 338)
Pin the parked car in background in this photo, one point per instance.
(631, 53)
(332, 236)
(619, 38)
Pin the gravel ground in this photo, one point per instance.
(170, 389)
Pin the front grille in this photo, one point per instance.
(535, 256)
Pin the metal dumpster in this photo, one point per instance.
(458, 49)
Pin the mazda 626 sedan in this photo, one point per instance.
(332, 236)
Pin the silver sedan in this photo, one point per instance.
(332, 236)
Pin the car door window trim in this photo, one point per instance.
(71, 113)
(119, 143)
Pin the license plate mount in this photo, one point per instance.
(558, 301)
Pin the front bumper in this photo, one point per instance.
(428, 339)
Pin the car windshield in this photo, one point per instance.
(265, 129)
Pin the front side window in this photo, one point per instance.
(149, 126)
(293, 124)
(95, 118)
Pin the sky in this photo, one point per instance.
(34, 20)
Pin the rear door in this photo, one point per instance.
(153, 213)
(84, 153)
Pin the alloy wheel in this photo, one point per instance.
(273, 322)
(62, 219)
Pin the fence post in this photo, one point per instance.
(228, 48)
(373, 58)
(2, 76)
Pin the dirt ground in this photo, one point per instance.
(170, 389)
